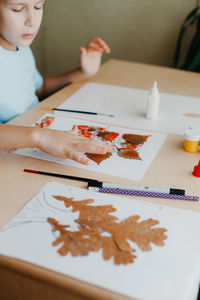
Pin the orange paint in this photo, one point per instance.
(108, 135)
(46, 122)
(128, 146)
(84, 131)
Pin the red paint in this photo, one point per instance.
(83, 131)
(83, 127)
(196, 171)
(31, 171)
(87, 131)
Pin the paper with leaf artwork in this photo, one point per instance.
(132, 154)
(135, 248)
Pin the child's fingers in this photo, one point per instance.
(83, 50)
(90, 49)
(77, 157)
(74, 129)
(103, 45)
(84, 160)
(97, 43)
(93, 147)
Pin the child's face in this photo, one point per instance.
(19, 22)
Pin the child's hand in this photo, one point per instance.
(68, 144)
(90, 57)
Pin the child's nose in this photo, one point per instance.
(29, 19)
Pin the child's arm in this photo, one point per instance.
(56, 143)
(90, 61)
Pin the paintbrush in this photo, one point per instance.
(77, 111)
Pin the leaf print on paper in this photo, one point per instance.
(126, 145)
(130, 154)
(108, 135)
(98, 158)
(96, 221)
(135, 139)
(45, 122)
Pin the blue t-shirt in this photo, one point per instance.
(19, 81)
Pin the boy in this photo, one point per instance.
(21, 84)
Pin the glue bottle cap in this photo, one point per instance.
(154, 89)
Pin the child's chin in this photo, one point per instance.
(25, 43)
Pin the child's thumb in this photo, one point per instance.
(74, 129)
(82, 50)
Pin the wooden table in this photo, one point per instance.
(171, 168)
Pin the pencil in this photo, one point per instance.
(143, 193)
(77, 111)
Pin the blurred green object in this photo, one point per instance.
(192, 58)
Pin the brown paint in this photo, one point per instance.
(98, 158)
(135, 138)
(130, 154)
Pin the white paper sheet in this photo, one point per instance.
(129, 107)
(114, 165)
(168, 272)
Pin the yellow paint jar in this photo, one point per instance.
(191, 140)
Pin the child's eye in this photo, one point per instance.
(17, 9)
(39, 6)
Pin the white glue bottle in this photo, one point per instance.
(153, 102)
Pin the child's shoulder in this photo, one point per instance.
(25, 51)
(27, 54)
(20, 51)
(23, 54)
(12, 60)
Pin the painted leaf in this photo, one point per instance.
(128, 146)
(98, 158)
(135, 138)
(108, 135)
(130, 154)
(45, 122)
(88, 131)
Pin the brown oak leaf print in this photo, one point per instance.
(94, 221)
